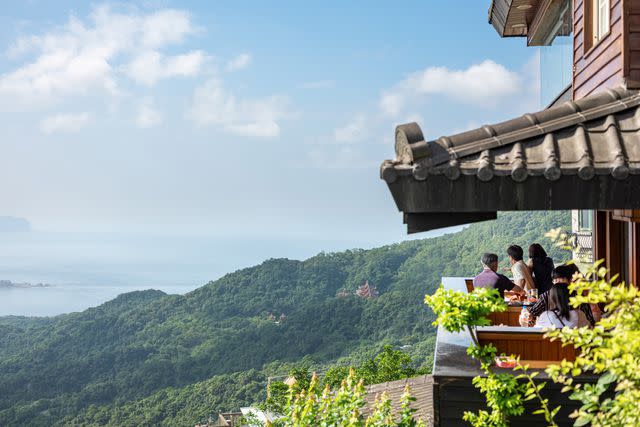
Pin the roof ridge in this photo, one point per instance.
(411, 146)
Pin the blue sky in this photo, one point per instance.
(243, 118)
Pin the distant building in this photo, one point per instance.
(225, 419)
(282, 318)
(290, 381)
(271, 317)
(259, 415)
(367, 291)
(343, 293)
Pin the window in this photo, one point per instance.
(597, 14)
(556, 57)
(585, 220)
(601, 19)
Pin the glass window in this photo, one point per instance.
(556, 58)
(600, 19)
(585, 220)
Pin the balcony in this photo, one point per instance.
(453, 370)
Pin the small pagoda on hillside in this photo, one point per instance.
(367, 291)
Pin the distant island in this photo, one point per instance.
(10, 224)
(10, 284)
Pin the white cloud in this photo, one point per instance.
(214, 105)
(69, 123)
(151, 66)
(354, 131)
(165, 27)
(485, 83)
(319, 84)
(239, 62)
(83, 56)
(147, 115)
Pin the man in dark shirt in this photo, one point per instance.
(490, 278)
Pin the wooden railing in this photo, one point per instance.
(528, 343)
(511, 317)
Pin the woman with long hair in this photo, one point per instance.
(541, 267)
(559, 312)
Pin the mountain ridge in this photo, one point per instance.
(141, 343)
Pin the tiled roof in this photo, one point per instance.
(421, 389)
(595, 135)
(589, 147)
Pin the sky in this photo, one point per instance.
(237, 119)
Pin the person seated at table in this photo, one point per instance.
(521, 274)
(541, 267)
(561, 276)
(490, 278)
(559, 312)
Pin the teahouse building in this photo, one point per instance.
(580, 153)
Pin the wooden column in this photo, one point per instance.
(617, 240)
(634, 253)
(609, 242)
(599, 235)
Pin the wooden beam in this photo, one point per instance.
(544, 21)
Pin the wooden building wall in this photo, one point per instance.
(631, 23)
(455, 395)
(601, 65)
(613, 60)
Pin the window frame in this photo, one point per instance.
(581, 223)
(596, 24)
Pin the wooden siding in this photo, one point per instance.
(602, 65)
(504, 14)
(631, 24)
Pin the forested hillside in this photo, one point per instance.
(146, 356)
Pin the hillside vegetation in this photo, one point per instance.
(147, 358)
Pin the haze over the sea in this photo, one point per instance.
(87, 269)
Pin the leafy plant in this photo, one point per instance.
(387, 365)
(344, 407)
(611, 349)
(457, 311)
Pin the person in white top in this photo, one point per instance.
(560, 313)
(521, 273)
